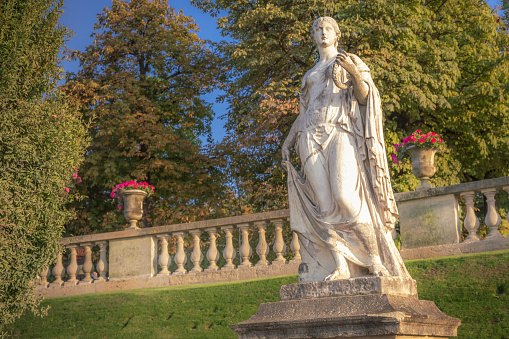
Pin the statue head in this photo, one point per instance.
(329, 20)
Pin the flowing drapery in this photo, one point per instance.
(342, 194)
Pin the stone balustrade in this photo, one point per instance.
(252, 246)
(431, 217)
(258, 245)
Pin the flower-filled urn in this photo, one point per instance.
(133, 206)
(130, 195)
(421, 149)
(423, 161)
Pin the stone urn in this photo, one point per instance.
(423, 161)
(133, 206)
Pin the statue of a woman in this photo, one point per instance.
(341, 202)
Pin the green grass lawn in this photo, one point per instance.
(473, 288)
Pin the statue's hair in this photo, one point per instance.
(331, 21)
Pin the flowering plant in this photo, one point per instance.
(417, 139)
(74, 176)
(130, 185)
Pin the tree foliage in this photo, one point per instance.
(41, 142)
(440, 66)
(141, 82)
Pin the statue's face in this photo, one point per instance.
(324, 34)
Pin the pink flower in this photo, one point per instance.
(422, 140)
(75, 175)
(79, 180)
(66, 190)
(441, 141)
(119, 207)
(112, 194)
(433, 140)
(418, 131)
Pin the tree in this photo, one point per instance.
(505, 10)
(41, 143)
(141, 82)
(439, 65)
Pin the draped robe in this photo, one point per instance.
(342, 194)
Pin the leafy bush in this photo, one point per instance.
(41, 143)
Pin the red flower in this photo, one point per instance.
(433, 140)
(422, 140)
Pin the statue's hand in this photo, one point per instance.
(344, 60)
(286, 153)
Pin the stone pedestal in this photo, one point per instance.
(429, 221)
(367, 307)
(132, 257)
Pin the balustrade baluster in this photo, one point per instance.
(245, 249)
(229, 251)
(180, 256)
(295, 246)
(102, 265)
(506, 188)
(279, 243)
(72, 269)
(164, 257)
(471, 222)
(196, 255)
(58, 272)
(212, 253)
(44, 277)
(88, 266)
(262, 249)
(492, 219)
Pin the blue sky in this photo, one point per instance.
(80, 16)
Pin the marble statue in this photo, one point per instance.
(341, 201)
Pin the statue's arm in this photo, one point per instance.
(292, 136)
(360, 87)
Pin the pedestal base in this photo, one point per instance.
(372, 314)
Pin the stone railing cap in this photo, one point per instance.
(173, 229)
(475, 186)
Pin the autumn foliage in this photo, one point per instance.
(140, 83)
